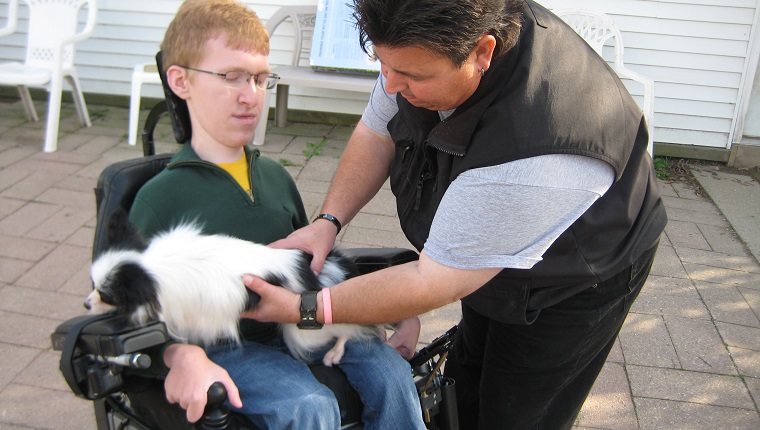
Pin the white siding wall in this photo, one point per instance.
(130, 32)
(695, 50)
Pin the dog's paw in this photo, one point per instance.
(333, 356)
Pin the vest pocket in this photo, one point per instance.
(400, 172)
(504, 300)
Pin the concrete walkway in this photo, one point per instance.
(687, 358)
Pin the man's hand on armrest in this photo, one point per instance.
(191, 373)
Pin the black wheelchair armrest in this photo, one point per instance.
(95, 350)
(440, 345)
(369, 260)
(112, 335)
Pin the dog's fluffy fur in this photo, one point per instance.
(193, 283)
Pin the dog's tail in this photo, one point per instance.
(337, 269)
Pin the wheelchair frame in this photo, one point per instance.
(104, 357)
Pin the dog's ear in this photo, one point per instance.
(131, 287)
(122, 234)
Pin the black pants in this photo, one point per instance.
(538, 376)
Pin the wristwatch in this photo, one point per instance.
(309, 311)
(332, 219)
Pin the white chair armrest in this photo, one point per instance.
(10, 26)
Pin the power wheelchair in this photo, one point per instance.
(106, 359)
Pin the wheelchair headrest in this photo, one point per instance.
(177, 107)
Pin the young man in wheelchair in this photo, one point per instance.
(215, 58)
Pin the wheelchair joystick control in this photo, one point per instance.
(217, 415)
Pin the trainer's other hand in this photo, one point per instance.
(277, 304)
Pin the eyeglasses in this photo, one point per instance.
(239, 79)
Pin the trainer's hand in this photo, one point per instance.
(405, 337)
(317, 239)
(277, 304)
(191, 373)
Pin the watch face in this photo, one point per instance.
(309, 311)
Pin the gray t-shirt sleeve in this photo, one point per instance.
(380, 109)
(507, 216)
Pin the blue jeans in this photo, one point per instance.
(279, 392)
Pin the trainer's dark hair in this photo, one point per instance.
(450, 28)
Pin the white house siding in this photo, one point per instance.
(695, 50)
(129, 32)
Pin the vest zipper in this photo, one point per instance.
(447, 152)
(254, 155)
(420, 184)
(427, 173)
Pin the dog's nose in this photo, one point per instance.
(87, 305)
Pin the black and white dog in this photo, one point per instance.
(193, 283)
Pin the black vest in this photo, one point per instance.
(551, 94)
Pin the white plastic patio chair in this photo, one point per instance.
(50, 59)
(597, 29)
(298, 72)
(145, 73)
(302, 18)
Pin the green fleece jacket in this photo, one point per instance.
(191, 189)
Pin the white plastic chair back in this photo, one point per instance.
(144, 73)
(597, 29)
(10, 25)
(50, 22)
(303, 19)
(52, 33)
